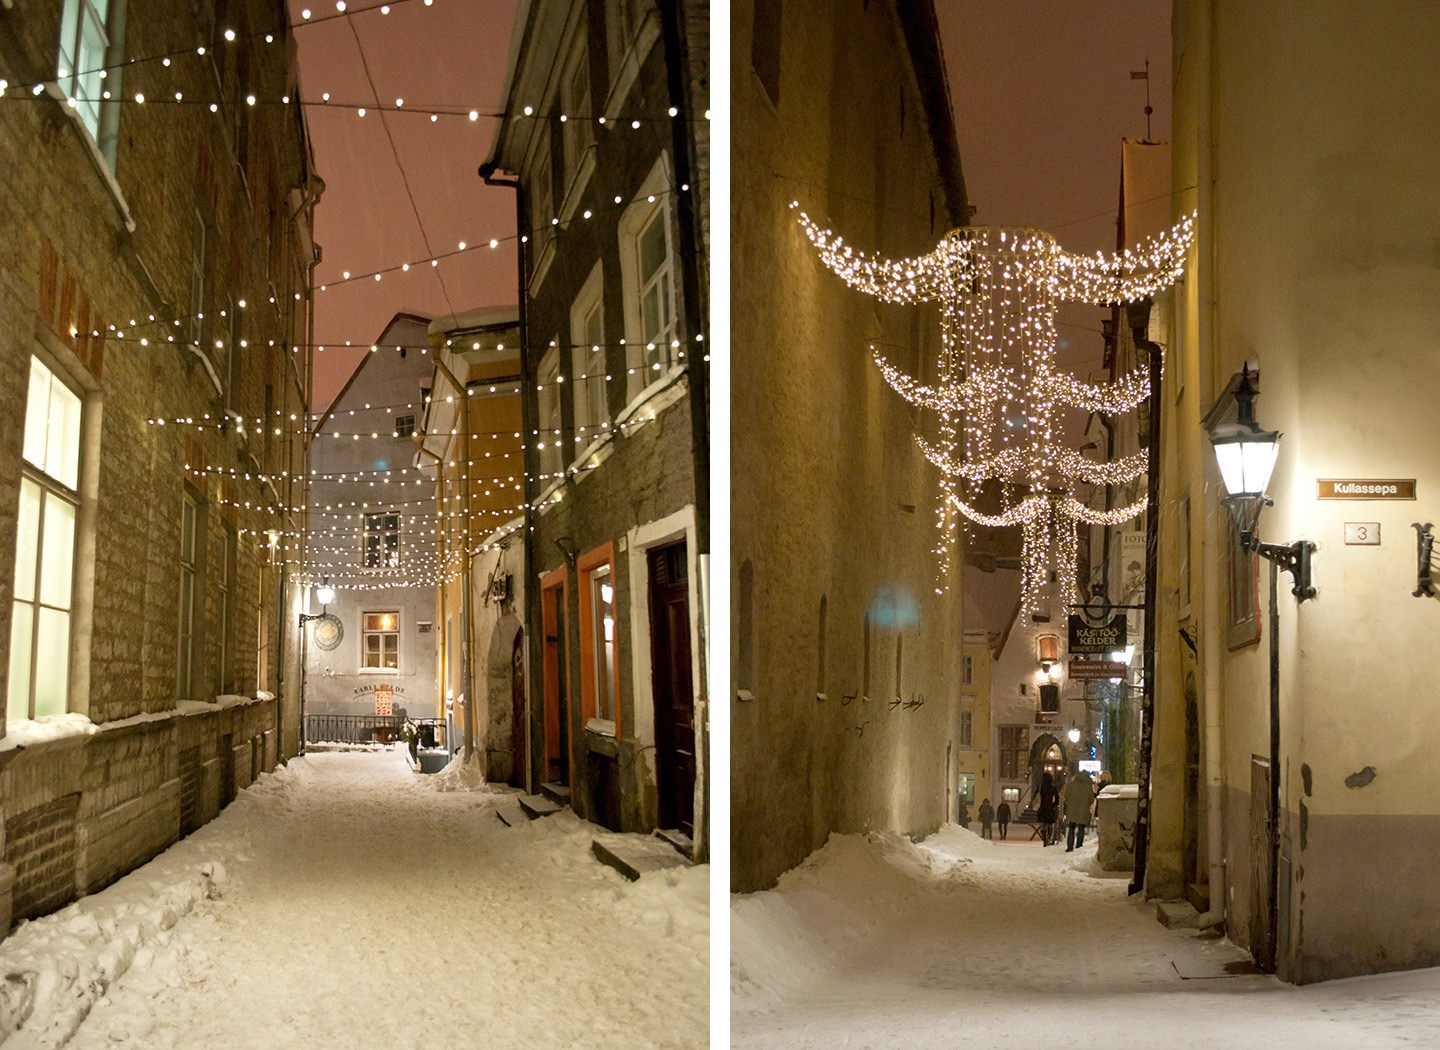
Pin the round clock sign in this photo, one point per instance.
(328, 632)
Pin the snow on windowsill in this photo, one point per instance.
(31, 731)
(600, 727)
(651, 401)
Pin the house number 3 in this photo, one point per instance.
(1362, 533)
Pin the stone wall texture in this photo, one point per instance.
(835, 613)
(96, 271)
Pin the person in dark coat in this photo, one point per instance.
(964, 818)
(1079, 798)
(987, 814)
(1002, 818)
(1049, 809)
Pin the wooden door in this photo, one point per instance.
(557, 707)
(517, 712)
(674, 691)
(1262, 867)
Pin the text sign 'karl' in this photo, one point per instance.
(1366, 488)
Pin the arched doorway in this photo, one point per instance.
(1047, 755)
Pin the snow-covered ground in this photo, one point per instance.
(957, 942)
(345, 901)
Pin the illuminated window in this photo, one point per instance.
(45, 549)
(380, 640)
(602, 620)
(599, 684)
(382, 541)
(85, 44)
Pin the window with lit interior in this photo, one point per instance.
(602, 625)
(654, 355)
(45, 549)
(380, 640)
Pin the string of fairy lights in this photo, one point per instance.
(148, 86)
(998, 389)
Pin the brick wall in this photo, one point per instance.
(85, 250)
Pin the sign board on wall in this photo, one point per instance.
(384, 700)
(1090, 670)
(1090, 639)
(1365, 488)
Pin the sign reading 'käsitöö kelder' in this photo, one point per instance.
(1366, 488)
(1089, 639)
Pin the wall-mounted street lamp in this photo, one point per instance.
(325, 593)
(1247, 455)
(1047, 655)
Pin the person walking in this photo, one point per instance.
(1079, 798)
(964, 818)
(1002, 818)
(1049, 809)
(987, 814)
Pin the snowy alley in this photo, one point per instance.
(344, 901)
(878, 942)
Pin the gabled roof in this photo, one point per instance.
(404, 315)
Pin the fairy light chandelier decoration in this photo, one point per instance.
(997, 391)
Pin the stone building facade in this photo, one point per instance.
(1314, 264)
(613, 209)
(846, 662)
(472, 447)
(154, 273)
(370, 659)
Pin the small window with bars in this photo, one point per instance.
(404, 426)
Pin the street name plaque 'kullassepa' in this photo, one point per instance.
(1365, 488)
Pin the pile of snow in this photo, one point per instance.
(29, 731)
(464, 772)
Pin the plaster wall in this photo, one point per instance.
(1325, 272)
(835, 614)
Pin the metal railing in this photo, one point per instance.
(351, 729)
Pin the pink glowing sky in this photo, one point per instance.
(453, 55)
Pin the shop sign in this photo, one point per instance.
(1089, 639)
(1093, 670)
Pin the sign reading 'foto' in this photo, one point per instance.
(1366, 488)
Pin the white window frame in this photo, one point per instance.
(542, 203)
(652, 203)
(549, 441)
(577, 133)
(375, 523)
(53, 475)
(85, 49)
(366, 634)
(588, 362)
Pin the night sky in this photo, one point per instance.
(450, 55)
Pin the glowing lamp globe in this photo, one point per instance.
(325, 593)
(1246, 454)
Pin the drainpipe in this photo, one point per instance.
(529, 413)
(682, 149)
(1215, 537)
(466, 676)
(1138, 320)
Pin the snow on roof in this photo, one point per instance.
(478, 317)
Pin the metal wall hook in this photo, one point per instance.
(1424, 548)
